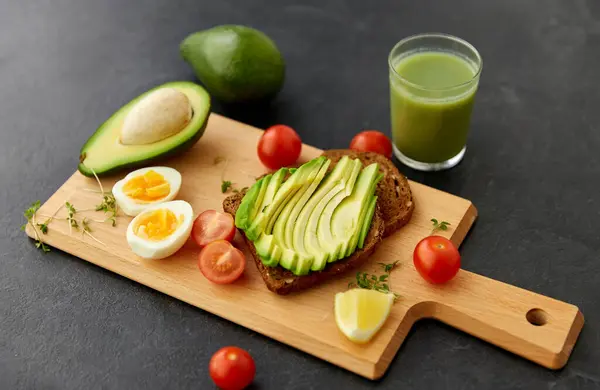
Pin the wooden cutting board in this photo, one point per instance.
(533, 326)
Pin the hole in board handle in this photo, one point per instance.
(537, 317)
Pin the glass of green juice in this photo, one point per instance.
(433, 81)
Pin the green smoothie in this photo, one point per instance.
(431, 104)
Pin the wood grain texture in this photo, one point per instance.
(485, 308)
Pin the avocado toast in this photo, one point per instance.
(379, 202)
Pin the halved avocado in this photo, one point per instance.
(105, 152)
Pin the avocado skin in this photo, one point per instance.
(143, 163)
(242, 217)
(181, 148)
(236, 64)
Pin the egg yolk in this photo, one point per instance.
(149, 187)
(157, 225)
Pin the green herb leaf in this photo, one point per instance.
(387, 268)
(72, 210)
(439, 225)
(225, 185)
(42, 246)
(109, 206)
(86, 225)
(373, 282)
(29, 214)
(43, 227)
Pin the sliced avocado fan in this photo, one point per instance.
(161, 122)
(315, 217)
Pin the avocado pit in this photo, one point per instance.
(162, 114)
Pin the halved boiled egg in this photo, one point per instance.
(145, 187)
(160, 230)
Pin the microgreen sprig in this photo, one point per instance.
(71, 211)
(225, 186)
(439, 225)
(373, 282)
(29, 215)
(108, 206)
(109, 203)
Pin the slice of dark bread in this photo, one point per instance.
(282, 281)
(395, 199)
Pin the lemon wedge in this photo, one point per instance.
(360, 313)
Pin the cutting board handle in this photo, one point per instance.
(531, 325)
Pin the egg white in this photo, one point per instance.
(132, 207)
(148, 249)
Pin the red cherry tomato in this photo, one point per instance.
(279, 146)
(212, 225)
(232, 368)
(221, 263)
(372, 141)
(436, 259)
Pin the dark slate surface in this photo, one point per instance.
(532, 169)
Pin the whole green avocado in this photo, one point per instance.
(236, 64)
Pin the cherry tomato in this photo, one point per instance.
(220, 262)
(372, 141)
(436, 259)
(232, 368)
(279, 146)
(212, 225)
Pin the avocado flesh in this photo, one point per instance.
(246, 212)
(309, 172)
(353, 242)
(270, 210)
(104, 154)
(261, 227)
(297, 182)
(252, 205)
(366, 203)
(314, 217)
(305, 231)
(304, 259)
(272, 189)
(267, 250)
(292, 220)
(347, 217)
(367, 222)
(311, 175)
(260, 197)
(324, 231)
